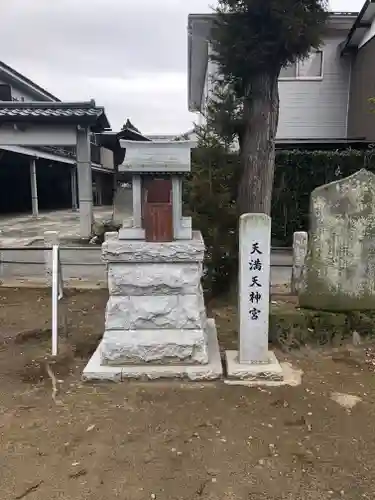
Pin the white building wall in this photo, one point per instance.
(19, 95)
(106, 158)
(312, 109)
(209, 82)
(317, 109)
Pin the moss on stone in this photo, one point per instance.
(293, 327)
(328, 328)
(362, 322)
(289, 326)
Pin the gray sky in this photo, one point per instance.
(130, 55)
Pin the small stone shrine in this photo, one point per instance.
(254, 362)
(339, 271)
(156, 324)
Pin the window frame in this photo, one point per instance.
(305, 78)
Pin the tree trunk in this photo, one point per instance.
(261, 114)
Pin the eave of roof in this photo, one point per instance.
(12, 72)
(324, 144)
(39, 153)
(79, 113)
(111, 140)
(132, 135)
(359, 24)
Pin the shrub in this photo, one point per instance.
(211, 193)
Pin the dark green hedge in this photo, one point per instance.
(211, 191)
(300, 172)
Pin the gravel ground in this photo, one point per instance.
(174, 440)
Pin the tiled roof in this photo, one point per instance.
(26, 111)
(86, 113)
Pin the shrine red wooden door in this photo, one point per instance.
(157, 210)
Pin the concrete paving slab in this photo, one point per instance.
(24, 230)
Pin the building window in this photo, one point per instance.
(18, 99)
(310, 68)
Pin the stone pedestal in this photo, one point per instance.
(155, 325)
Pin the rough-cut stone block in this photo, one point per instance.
(339, 272)
(156, 312)
(117, 314)
(211, 371)
(142, 251)
(154, 346)
(154, 279)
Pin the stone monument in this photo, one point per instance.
(339, 271)
(300, 239)
(254, 362)
(156, 324)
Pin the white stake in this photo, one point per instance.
(55, 297)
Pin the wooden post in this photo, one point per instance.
(34, 188)
(84, 182)
(73, 186)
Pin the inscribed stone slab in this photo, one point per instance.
(339, 274)
(254, 283)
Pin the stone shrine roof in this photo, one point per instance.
(145, 157)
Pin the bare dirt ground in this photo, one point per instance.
(173, 440)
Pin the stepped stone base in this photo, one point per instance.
(258, 374)
(155, 324)
(95, 371)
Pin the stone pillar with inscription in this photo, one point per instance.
(254, 362)
(300, 241)
(156, 324)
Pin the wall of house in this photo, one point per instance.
(20, 94)
(361, 120)
(317, 109)
(17, 94)
(211, 74)
(311, 109)
(106, 158)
